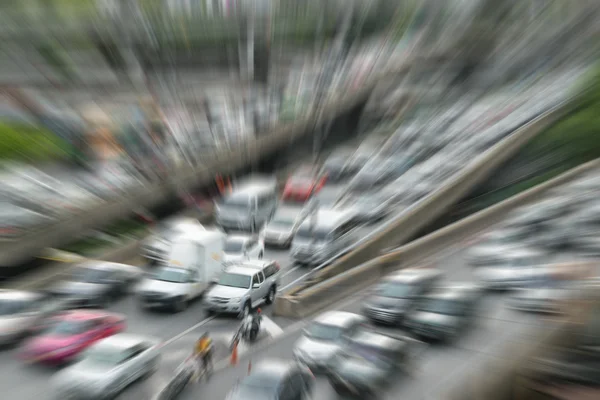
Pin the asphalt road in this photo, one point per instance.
(440, 367)
(178, 331)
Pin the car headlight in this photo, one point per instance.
(236, 300)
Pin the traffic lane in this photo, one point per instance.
(435, 372)
(223, 380)
(177, 351)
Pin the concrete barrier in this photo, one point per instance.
(404, 227)
(509, 378)
(38, 279)
(325, 293)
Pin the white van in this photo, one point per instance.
(249, 206)
(323, 235)
(194, 262)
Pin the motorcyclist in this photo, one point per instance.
(203, 351)
(252, 323)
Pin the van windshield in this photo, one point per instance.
(306, 232)
(173, 275)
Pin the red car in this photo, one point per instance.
(68, 334)
(301, 185)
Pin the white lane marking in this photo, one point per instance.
(188, 330)
(271, 327)
(289, 271)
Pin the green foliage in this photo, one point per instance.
(575, 138)
(29, 143)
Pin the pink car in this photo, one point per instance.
(69, 333)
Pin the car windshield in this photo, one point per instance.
(235, 280)
(394, 290)
(103, 357)
(172, 275)
(372, 354)
(90, 275)
(67, 328)
(234, 245)
(306, 232)
(323, 332)
(439, 306)
(9, 307)
(254, 391)
(241, 203)
(282, 222)
(301, 180)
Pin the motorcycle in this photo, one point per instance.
(248, 331)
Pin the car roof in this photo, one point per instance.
(238, 238)
(373, 338)
(257, 264)
(328, 218)
(453, 291)
(289, 211)
(83, 315)
(337, 318)
(101, 265)
(122, 341)
(271, 370)
(411, 275)
(241, 270)
(8, 294)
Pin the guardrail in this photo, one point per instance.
(329, 291)
(15, 251)
(402, 228)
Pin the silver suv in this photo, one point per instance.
(243, 286)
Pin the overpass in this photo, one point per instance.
(343, 109)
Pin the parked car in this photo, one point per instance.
(68, 334)
(244, 286)
(20, 311)
(275, 380)
(108, 367)
(97, 283)
(369, 362)
(518, 267)
(397, 293)
(243, 247)
(283, 226)
(303, 184)
(552, 292)
(369, 207)
(445, 313)
(324, 336)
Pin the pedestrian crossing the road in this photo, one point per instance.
(175, 352)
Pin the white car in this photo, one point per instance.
(108, 367)
(19, 313)
(243, 247)
(322, 339)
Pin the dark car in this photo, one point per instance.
(445, 312)
(275, 380)
(369, 361)
(393, 296)
(579, 362)
(96, 283)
